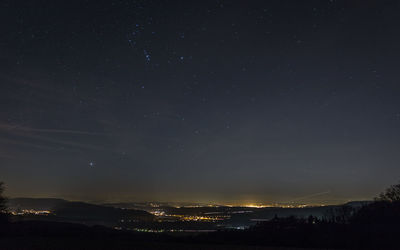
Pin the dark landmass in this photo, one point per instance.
(356, 225)
(34, 203)
(59, 210)
(139, 216)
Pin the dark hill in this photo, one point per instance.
(34, 203)
(85, 212)
(77, 212)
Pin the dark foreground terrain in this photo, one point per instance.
(374, 226)
(55, 235)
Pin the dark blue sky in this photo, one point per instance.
(224, 101)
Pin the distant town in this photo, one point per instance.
(160, 216)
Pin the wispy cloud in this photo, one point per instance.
(17, 128)
(25, 135)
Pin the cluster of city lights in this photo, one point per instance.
(278, 205)
(30, 212)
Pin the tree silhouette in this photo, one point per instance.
(3, 204)
(2, 198)
(391, 194)
(341, 214)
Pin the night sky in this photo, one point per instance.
(207, 101)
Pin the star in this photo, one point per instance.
(147, 55)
